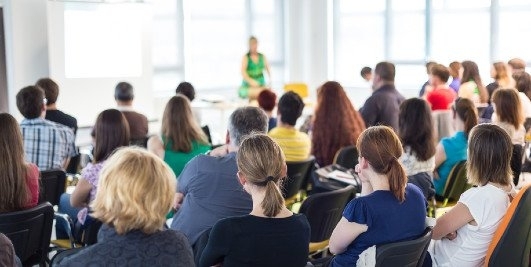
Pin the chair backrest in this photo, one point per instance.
(141, 142)
(516, 162)
(299, 88)
(347, 157)
(53, 185)
(511, 243)
(442, 124)
(457, 182)
(405, 253)
(298, 172)
(324, 210)
(29, 231)
(89, 235)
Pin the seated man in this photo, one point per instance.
(296, 145)
(209, 183)
(47, 144)
(51, 91)
(138, 123)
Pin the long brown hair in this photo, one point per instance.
(15, 193)
(382, 148)
(111, 132)
(416, 127)
(467, 112)
(179, 126)
(508, 107)
(262, 161)
(471, 73)
(336, 123)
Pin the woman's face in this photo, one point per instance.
(461, 70)
(253, 46)
(493, 72)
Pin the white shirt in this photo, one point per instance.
(488, 205)
(412, 165)
(526, 104)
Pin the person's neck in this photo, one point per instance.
(269, 113)
(379, 182)
(257, 195)
(382, 84)
(285, 125)
(459, 125)
(124, 103)
(51, 107)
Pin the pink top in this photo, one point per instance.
(32, 179)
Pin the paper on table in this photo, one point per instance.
(342, 177)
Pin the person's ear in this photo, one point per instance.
(364, 164)
(241, 178)
(284, 170)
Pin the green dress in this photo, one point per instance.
(255, 72)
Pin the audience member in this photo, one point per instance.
(416, 133)
(51, 92)
(47, 144)
(501, 73)
(136, 190)
(138, 123)
(8, 257)
(463, 234)
(454, 68)
(295, 145)
(19, 180)
(523, 84)
(366, 73)
(429, 64)
(336, 123)
(208, 186)
(271, 227)
(440, 96)
(267, 101)
(471, 86)
(181, 137)
(451, 150)
(388, 209)
(111, 132)
(518, 66)
(381, 108)
(187, 89)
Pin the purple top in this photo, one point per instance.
(91, 173)
(455, 84)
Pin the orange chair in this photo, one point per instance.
(511, 243)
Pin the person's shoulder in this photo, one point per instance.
(414, 191)
(169, 237)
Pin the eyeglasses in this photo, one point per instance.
(45, 101)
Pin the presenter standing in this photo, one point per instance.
(253, 65)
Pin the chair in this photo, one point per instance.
(29, 231)
(405, 253)
(456, 184)
(324, 210)
(347, 157)
(78, 235)
(53, 184)
(298, 172)
(442, 124)
(299, 88)
(516, 162)
(511, 243)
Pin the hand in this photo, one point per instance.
(254, 83)
(177, 200)
(219, 151)
(452, 235)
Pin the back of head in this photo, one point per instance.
(179, 125)
(290, 108)
(508, 107)
(429, 65)
(440, 71)
(489, 155)
(31, 101)
(365, 71)
(501, 70)
(517, 64)
(416, 127)
(51, 89)
(267, 100)
(15, 194)
(186, 89)
(244, 121)
(262, 162)
(466, 111)
(471, 73)
(454, 68)
(111, 131)
(523, 83)
(381, 147)
(135, 191)
(124, 92)
(386, 71)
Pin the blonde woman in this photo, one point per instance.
(136, 190)
(181, 137)
(271, 235)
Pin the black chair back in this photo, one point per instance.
(30, 232)
(347, 157)
(141, 142)
(406, 253)
(298, 172)
(52, 186)
(457, 182)
(516, 162)
(324, 210)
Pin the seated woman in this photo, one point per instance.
(388, 209)
(136, 190)
(19, 180)
(181, 137)
(471, 85)
(462, 235)
(111, 131)
(267, 100)
(451, 150)
(416, 133)
(336, 123)
(271, 235)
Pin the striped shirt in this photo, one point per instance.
(295, 145)
(47, 144)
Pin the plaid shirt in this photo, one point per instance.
(47, 144)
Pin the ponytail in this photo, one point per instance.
(397, 179)
(467, 112)
(273, 201)
(470, 119)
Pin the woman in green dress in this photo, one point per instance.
(253, 65)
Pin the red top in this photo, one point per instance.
(33, 184)
(441, 98)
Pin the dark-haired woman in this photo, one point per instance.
(388, 210)
(271, 235)
(452, 149)
(471, 85)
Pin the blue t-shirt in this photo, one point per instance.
(387, 220)
(455, 148)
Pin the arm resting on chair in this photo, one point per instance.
(344, 234)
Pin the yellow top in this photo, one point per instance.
(296, 145)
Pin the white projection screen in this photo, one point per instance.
(92, 47)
